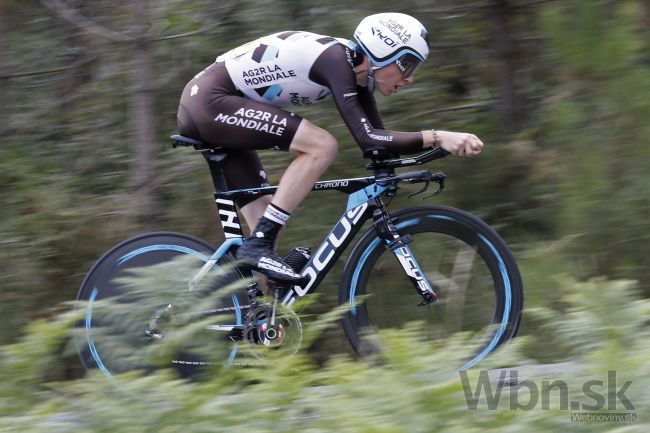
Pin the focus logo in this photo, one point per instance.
(326, 251)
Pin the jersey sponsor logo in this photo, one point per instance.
(258, 120)
(348, 55)
(398, 30)
(381, 137)
(364, 122)
(365, 125)
(347, 95)
(265, 74)
(331, 184)
(296, 99)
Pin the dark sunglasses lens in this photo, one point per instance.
(408, 64)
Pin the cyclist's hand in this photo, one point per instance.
(460, 143)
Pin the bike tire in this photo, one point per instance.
(117, 304)
(464, 259)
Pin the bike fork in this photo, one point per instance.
(398, 244)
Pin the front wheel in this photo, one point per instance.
(468, 264)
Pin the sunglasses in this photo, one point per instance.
(408, 64)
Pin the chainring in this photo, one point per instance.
(285, 336)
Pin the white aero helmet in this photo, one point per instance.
(393, 37)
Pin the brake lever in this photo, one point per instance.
(439, 178)
(426, 186)
(441, 186)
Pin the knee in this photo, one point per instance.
(314, 142)
(326, 146)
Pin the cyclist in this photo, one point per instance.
(236, 103)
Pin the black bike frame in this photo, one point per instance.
(363, 201)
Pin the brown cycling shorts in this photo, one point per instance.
(214, 111)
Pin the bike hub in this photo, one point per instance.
(271, 335)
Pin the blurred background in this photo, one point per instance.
(559, 91)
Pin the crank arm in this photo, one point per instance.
(226, 328)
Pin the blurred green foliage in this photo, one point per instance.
(408, 389)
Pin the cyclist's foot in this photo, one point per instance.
(258, 253)
(296, 259)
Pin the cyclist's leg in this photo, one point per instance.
(315, 150)
(224, 118)
(254, 210)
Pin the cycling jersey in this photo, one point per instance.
(302, 68)
(238, 101)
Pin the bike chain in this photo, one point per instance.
(206, 363)
(209, 363)
(217, 310)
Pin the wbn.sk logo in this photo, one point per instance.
(598, 395)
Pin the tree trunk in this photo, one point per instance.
(504, 49)
(145, 203)
(4, 51)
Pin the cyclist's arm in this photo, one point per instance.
(332, 70)
(369, 107)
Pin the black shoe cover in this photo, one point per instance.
(258, 253)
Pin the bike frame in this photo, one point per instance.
(363, 204)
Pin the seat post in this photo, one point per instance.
(226, 207)
(215, 163)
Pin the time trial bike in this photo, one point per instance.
(440, 268)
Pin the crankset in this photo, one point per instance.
(272, 327)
